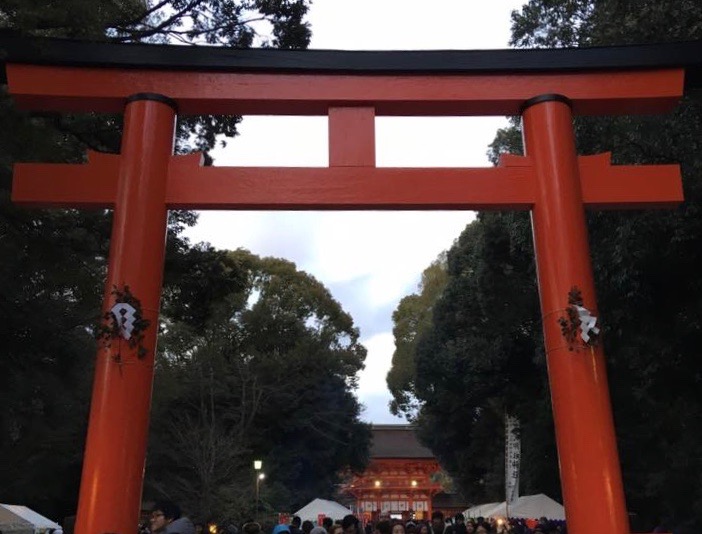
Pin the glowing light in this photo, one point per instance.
(414, 483)
(377, 483)
(258, 464)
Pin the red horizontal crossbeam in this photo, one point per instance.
(190, 186)
(104, 90)
(66, 185)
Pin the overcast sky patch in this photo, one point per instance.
(369, 260)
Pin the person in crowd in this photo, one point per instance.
(316, 530)
(470, 526)
(398, 527)
(337, 529)
(327, 523)
(459, 524)
(383, 527)
(307, 527)
(437, 523)
(411, 527)
(350, 525)
(295, 525)
(483, 528)
(166, 518)
(281, 529)
(251, 527)
(423, 528)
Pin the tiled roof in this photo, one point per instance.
(397, 441)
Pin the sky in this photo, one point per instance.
(368, 260)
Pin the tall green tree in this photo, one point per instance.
(54, 261)
(648, 291)
(268, 372)
(479, 360)
(648, 294)
(411, 319)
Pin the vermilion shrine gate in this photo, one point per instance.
(150, 84)
(399, 477)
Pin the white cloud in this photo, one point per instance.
(372, 378)
(375, 409)
(410, 24)
(370, 260)
(372, 388)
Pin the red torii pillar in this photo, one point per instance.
(113, 466)
(587, 448)
(145, 180)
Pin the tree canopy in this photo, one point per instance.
(268, 372)
(256, 358)
(482, 356)
(411, 319)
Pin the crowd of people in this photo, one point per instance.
(166, 518)
(460, 525)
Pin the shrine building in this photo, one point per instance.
(401, 481)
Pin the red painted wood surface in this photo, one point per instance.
(111, 483)
(395, 476)
(105, 90)
(351, 137)
(146, 180)
(587, 450)
(509, 186)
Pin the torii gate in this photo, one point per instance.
(151, 83)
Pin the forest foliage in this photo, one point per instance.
(482, 355)
(256, 358)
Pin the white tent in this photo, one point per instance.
(16, 519)
(313, 510)
(480, 510)
(529, 506)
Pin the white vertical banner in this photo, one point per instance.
(513, 453)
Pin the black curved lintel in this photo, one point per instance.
(43, 51)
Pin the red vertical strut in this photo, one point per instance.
(111, 484)
(587, 450)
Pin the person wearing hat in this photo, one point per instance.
(279, 529)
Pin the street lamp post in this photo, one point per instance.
(258, 465)
(259, 478)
